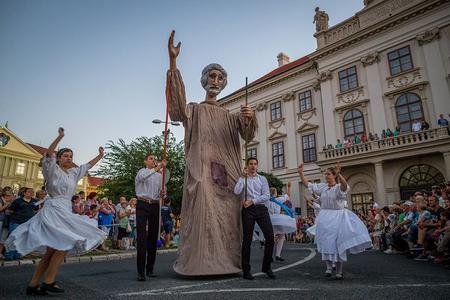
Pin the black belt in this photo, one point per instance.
(149, 201)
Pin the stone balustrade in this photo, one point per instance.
(388, 144)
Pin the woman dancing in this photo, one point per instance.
(338, 230)
(55, 230)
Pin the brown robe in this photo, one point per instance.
(210, 235)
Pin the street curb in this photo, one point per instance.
(79, 259)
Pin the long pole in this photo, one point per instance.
(246, 142)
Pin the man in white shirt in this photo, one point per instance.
(255, 210)
(416, 126)
(148, 185)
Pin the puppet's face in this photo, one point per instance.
(215, 83)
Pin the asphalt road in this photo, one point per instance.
(369, 275)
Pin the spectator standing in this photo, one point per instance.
(132, 219)
(397, 131)
(442, 122)
(105, 218)
(416, 126)
(77, 206)
(167, 221)
(6, 198)
(425, 125)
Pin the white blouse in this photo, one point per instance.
(61, 183)
(330, 197)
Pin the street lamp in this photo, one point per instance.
(174, 123)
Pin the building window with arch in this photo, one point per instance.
(400, 60)
(305, 100)
(20, 168)
(251, 152)
(40, 175)
(309, 148)
(278, 155)
(348, 79)
(408, 108)
(275, 111)
(353, 123)
(418, 178)
(362, 201)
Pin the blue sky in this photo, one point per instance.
(98, 67)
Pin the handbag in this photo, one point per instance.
(129, 229)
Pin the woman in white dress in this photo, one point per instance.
(282, 223)
(338, 230)
(55, 230)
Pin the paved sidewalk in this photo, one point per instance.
(90, 257)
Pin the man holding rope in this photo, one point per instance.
(149, 192)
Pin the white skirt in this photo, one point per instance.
(338, 232)
(311, 231)
(57, 227)
(283, 224)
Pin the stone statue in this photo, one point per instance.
(321, 20)
(210, 235)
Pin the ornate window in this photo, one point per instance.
(275, 111)
(418, 178)
(251, 152)
(278, 155)
(20, 168)
(353, 123)
(309, 148)
(348, 79)
(305, 101)
(400, 60)
(408, 108)
(362, 202)
(40, 175)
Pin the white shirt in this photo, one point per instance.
(148, 184)
(416, 126)
(61, 183)
(275, 208)
(330, 197)
(257, 189)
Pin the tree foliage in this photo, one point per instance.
(122, 162)
(273, 181)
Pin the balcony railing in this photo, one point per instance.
(403, 140)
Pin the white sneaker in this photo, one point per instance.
(389, 251)
(328, 273)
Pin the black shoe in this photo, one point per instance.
(150, 274)
(35, 291)
(270, 274)
(248, 276)
(278, 258)
(51, 287)
(141, 277)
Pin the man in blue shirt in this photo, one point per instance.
(442, 122)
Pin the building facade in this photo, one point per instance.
(19, 165)
(384, 67)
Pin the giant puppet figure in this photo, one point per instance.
(210, 235)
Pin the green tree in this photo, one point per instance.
(273, 181)
(122, 162)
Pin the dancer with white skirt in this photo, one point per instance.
(338, 230)
(282, 223)
(311, 231)
(55, 230)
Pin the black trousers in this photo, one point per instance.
(260, 215)
(147, 227)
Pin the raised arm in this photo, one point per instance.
(95, 160)
(175, 91)
(289, 185)
(342, 180)
(302, 175)
(51, 149)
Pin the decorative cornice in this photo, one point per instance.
(324, 76)
(428, 36)
(350, 96)
(370, 59)
(420, 86)
(316, 85)
(261, 106)
(306, 114)
(252, 143)
(404, 79)
(307, 127)
(377, 28)
(361, 103)
(277, 123)
(288, 96)
(276, 135)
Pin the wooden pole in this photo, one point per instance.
(246, 142)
